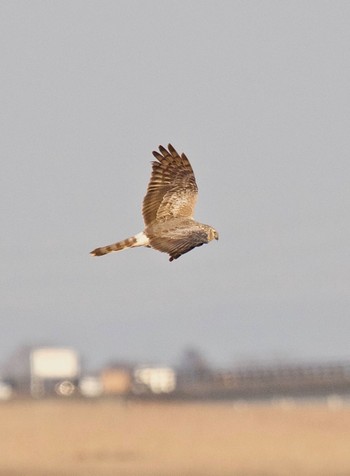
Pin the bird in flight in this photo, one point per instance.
(168, 210)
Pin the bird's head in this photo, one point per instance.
(213, 234)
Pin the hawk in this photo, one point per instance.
(168, 210)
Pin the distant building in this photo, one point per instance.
(157, 380)
(116, 380)
(42, 371)
(269, 381)
(6, 391)
(91, 387)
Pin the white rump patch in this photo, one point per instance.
(141, 239)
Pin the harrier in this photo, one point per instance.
(168, 210)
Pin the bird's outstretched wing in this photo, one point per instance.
(172, 190)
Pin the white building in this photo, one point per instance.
(157, 379)
(42, 371)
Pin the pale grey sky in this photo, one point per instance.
(256, 93)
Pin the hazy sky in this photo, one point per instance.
(256, 93)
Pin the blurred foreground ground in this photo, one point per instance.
(108, 438)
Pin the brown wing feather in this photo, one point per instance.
(172, 190)
(176, 247)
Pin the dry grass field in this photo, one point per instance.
(107, 438)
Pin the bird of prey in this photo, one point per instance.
(168, 210)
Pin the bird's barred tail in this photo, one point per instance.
(138, 240)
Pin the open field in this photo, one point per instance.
(108, 438)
